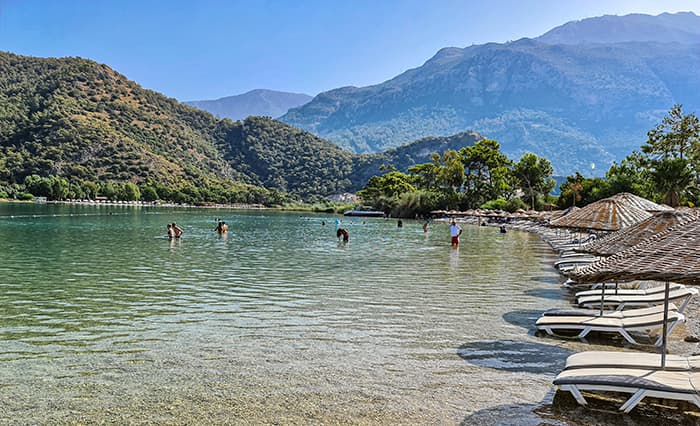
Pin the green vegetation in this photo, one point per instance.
(72, 128)
(475, 176)
(667, 169)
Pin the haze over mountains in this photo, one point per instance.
(262, 102)
(585, 92)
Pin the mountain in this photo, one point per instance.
(80, 120)
(575, 104)
(260, 102)
(682, 27)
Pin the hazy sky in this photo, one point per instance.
(208, 49)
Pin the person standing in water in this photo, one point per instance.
(177, 230)
(341, 232)
(455, 232)
(221, 227)
(171, 232)
(425, 227)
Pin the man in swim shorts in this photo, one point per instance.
(455, 232)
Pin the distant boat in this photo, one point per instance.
(363, 213)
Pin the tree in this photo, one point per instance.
(630, 175)
(487, 172)
(131, 192)
(582, 191)
(149, 193)
(534, 176)
(391, 184)
(671, 153)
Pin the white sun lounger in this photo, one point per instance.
(619, 301)
(553, 324)
(634, 360)
(629, 313)
(572, 262)
(614, 291)
(641, 383)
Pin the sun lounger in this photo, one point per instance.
(634, 360)
(554, 324)
(613, 291)
(629, 313)
(641, 383)
(574, 261)
(680, 296)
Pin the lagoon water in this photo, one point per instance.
(103, 319)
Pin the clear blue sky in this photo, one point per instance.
(208, 49)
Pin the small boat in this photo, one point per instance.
(363, 213)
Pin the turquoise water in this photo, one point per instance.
(103, 319)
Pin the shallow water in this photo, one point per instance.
(103, 319)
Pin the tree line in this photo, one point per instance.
(475, 176)
(666, 170)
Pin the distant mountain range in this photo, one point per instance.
(262, 102)
(585, 92)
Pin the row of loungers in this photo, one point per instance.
(637, 373)
(554, 325)
(647, 317)
(626, 310)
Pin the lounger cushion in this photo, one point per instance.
(572, 312)
(654, 298)
(628, 360)
(645, 321)
(629, 380)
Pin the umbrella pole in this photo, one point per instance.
(665, 329)
(602, 300)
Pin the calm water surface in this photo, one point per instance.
(103, 319)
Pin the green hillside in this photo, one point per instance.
(82, 122)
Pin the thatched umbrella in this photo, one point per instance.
(640, 203)
(635, 234)
(672, 255)
(608, 214)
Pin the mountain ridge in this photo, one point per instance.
(257, 102)
(575, 104)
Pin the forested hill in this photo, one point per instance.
(82, 121)
(75, 117)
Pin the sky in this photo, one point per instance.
(194, 50)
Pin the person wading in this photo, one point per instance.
(455, 232)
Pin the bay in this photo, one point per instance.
(103, 319)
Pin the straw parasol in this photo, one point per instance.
(635, 234)
(608, 214)
(640, 203)
(672, 255)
